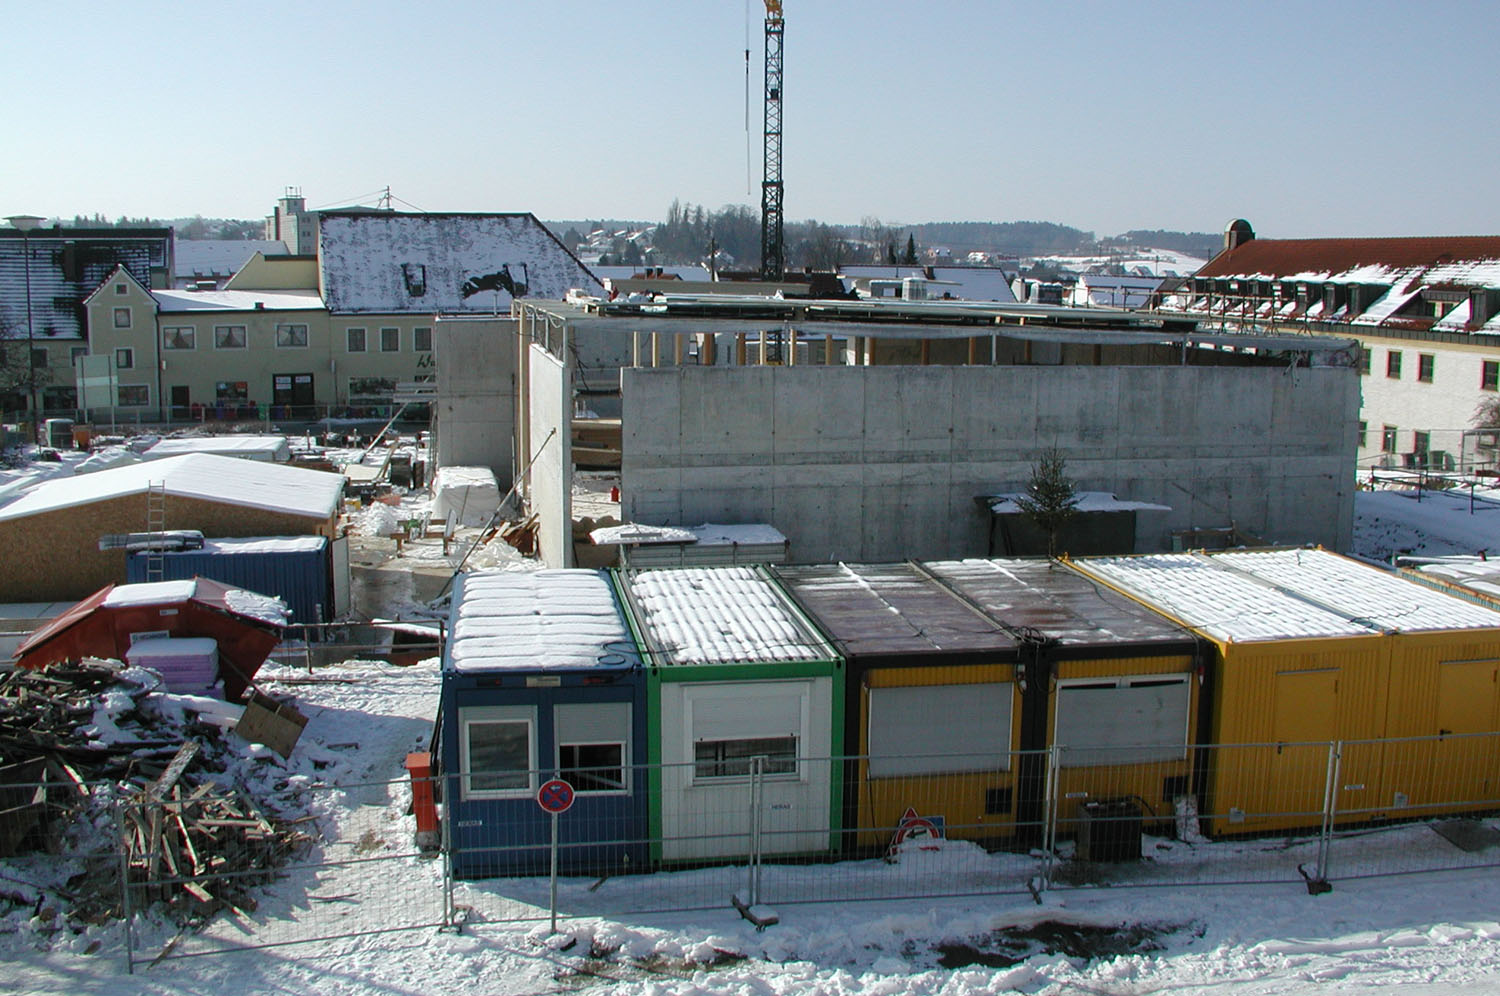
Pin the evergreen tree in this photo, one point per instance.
(1050, 499)
(911, 250)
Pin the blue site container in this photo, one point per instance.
(541, 680)
(292, 568)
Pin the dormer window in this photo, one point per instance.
(415, 277)
(122, 288)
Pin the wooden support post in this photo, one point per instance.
(655, 344)
(828, 350)
(739, 349)
(677, 349)
(635, 349)
(926, 351)
(973, 351)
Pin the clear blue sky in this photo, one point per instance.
(1318, 118)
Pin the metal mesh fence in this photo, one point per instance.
(207, 872)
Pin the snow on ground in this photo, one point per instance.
(1435, 523)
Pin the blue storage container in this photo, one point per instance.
(293, 568)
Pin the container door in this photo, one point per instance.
(1305, 720)
(1466, 705)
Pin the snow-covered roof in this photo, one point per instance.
(685, 272)
(553, 620)
(706, 615)
(975, 283)
(1226, 605)
(275, 447)
(267, 544)
(206, 476)
(708, 534)
(1088, 501)
(218, 257)
(1367, 593)
(182, 301)
(1269, 594)
(385, 262)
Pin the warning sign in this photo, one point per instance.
(924, 831)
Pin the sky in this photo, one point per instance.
(1307, 119)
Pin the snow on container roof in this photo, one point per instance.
(1088, 501)
(267, 544)
(390, 262)
(706, 615)
(273, 447)
(206, 476)
(1226, 605)
(1363, 592)
(554, 620)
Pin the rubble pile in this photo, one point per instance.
(94, 761)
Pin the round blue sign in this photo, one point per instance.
(555, 796)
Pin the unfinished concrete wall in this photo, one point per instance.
(476, 406)
(550, 484)
(881, 463)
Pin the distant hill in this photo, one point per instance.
(1016, 238)
(1204, 245)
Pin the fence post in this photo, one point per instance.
(127, 916)
(450, 792)
(757, 773)
(1319, 882)
(1049, 809)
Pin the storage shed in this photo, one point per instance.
(736, 671)
(51, 534)
(1113, 684)
(174, 616)
(296, 569)
(1314, 648)
(933, 705)
(541, 679)
(267, 449)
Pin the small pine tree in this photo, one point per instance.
(911, 250)
(1050, 499)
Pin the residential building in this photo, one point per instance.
(1425, 310)
(50, 272)
(207, 264)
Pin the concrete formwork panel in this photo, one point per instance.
(551, 480)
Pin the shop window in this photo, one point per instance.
(231, 391)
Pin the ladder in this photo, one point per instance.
(156, 524)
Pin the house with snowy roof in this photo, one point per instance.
(1426, 310)
(51, 534)
(208, 264)
(47, 274)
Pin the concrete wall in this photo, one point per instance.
(550, 485)
(882, 463)
(476, 407)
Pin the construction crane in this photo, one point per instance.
(772, 246)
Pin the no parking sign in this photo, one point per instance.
(555, 796)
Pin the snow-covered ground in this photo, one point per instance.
(1436, 934)
(1428, 523)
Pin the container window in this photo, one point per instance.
(498, 747)
(1133, 720)
(974, 734)
(592, 767)
(731, 758)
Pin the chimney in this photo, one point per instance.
(1237, 233)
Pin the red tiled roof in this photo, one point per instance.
(1285, 257)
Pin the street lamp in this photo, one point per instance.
(24, 223)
